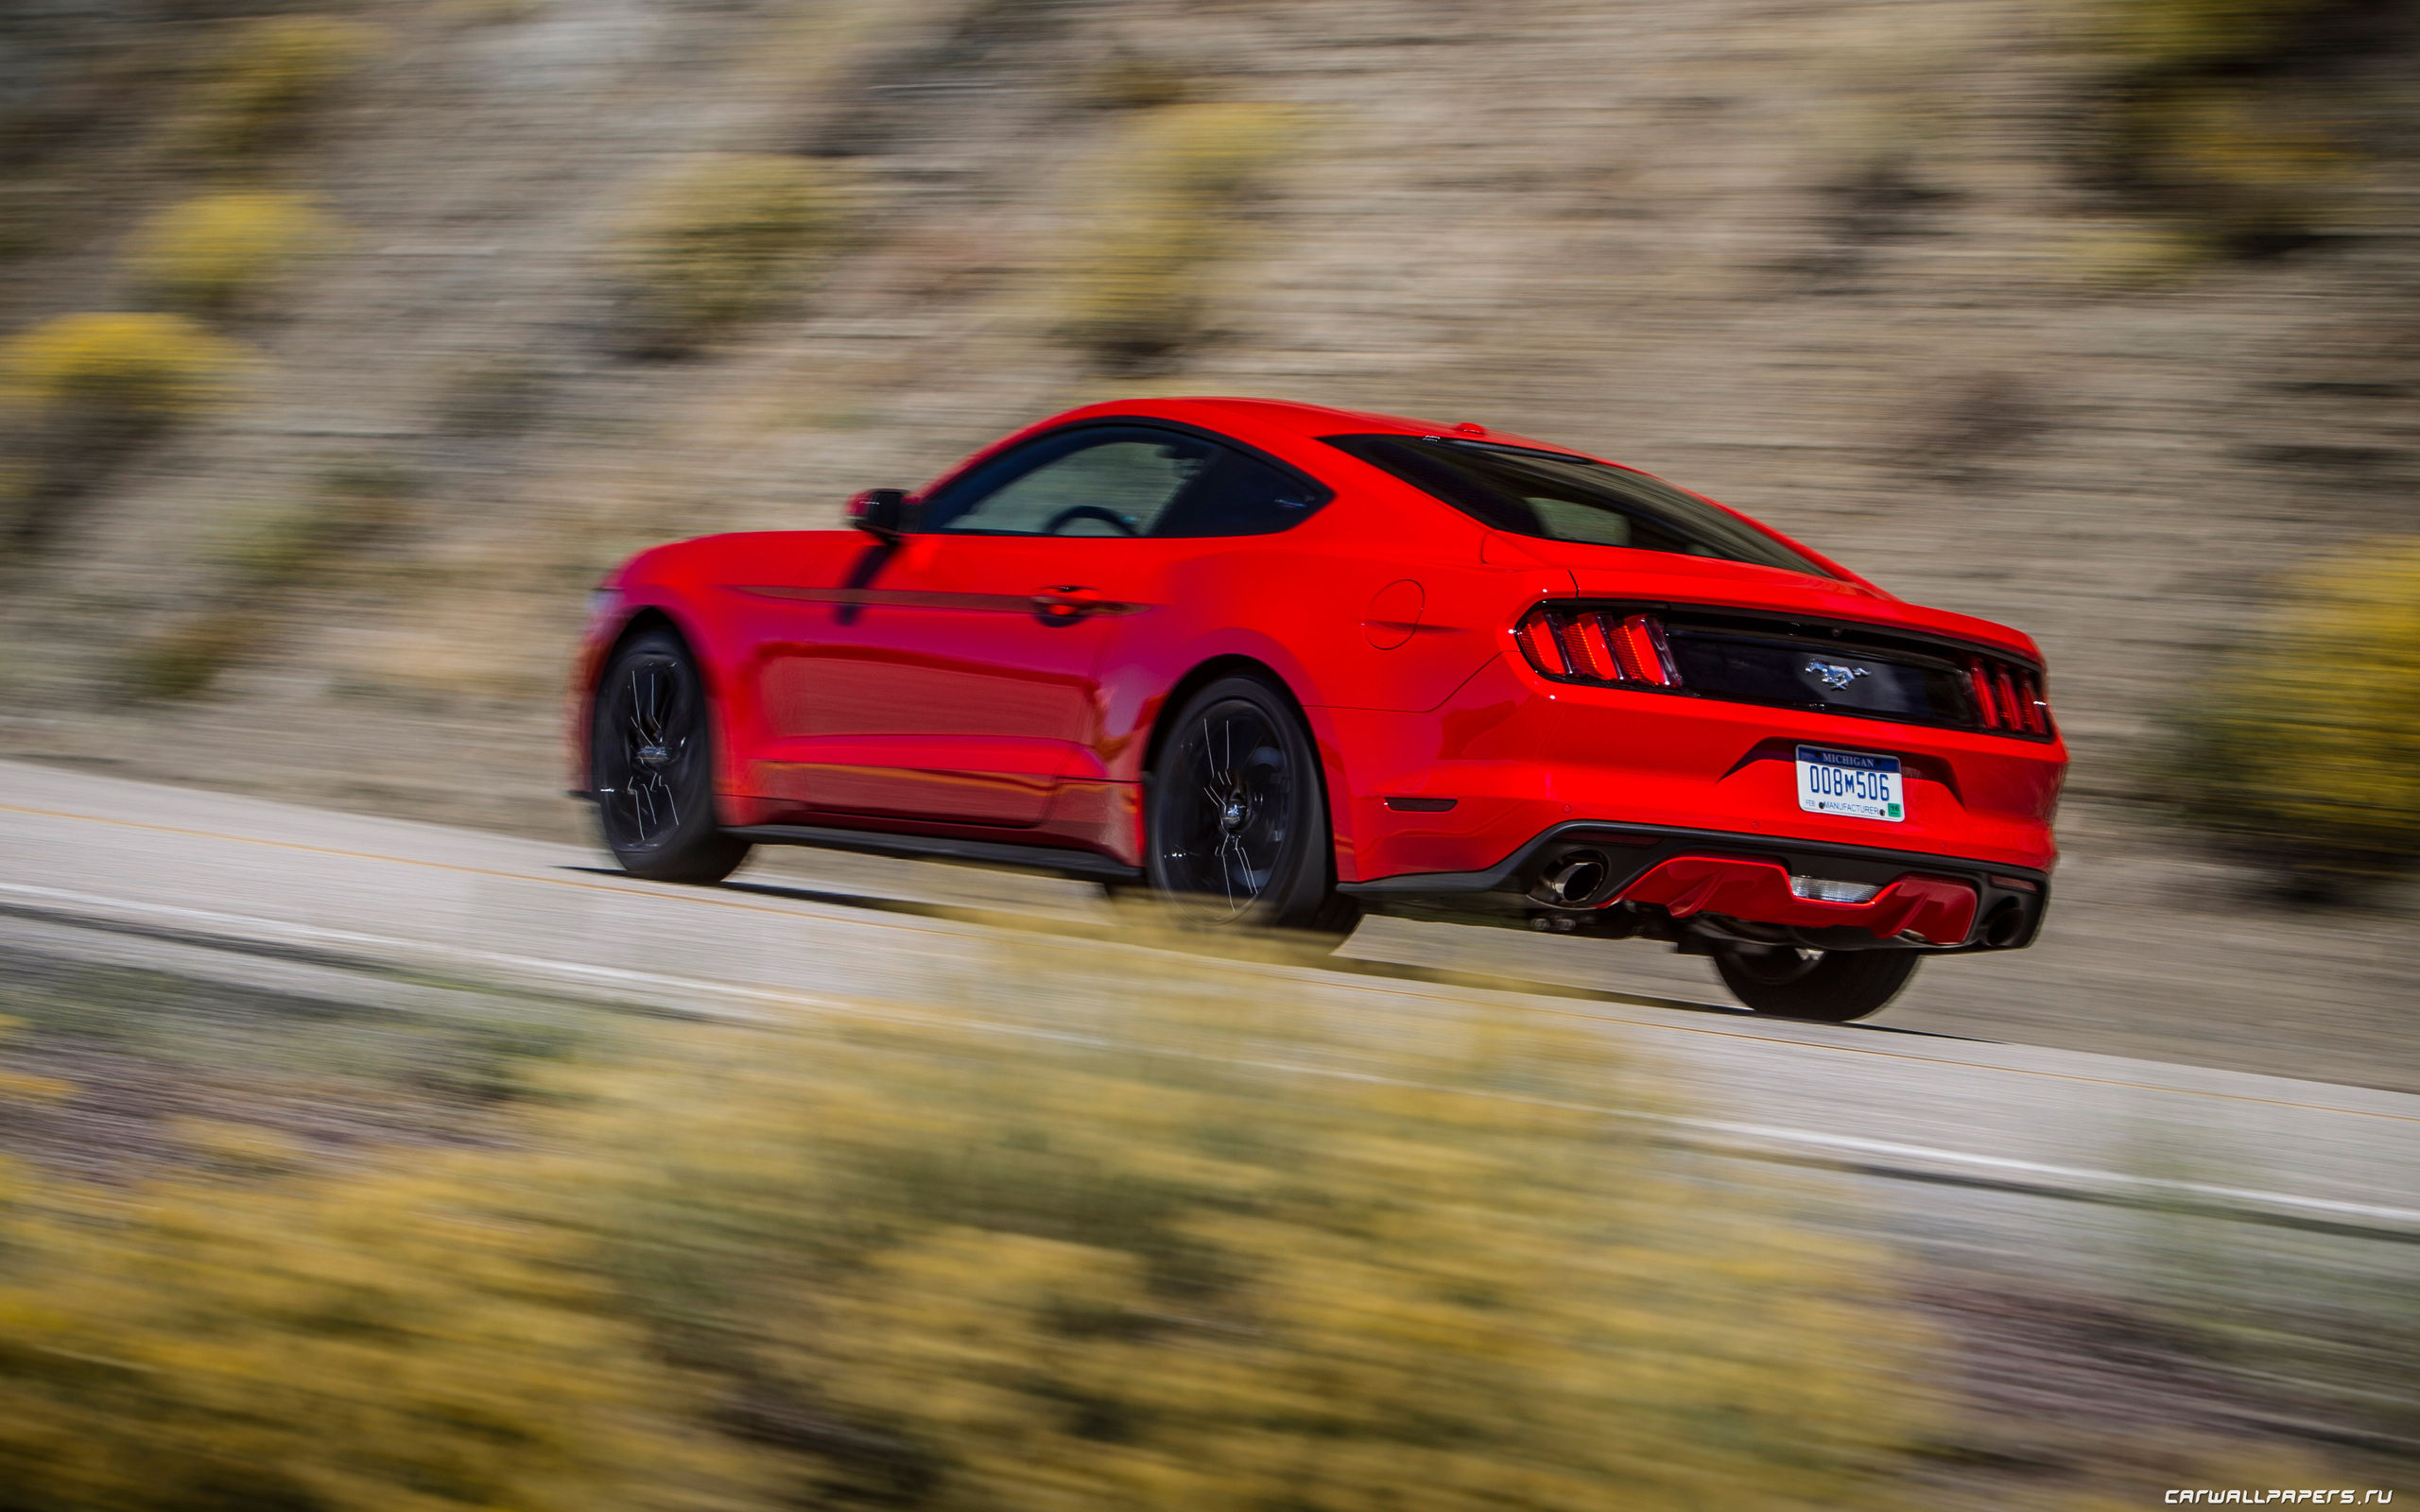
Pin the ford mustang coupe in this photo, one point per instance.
(1282, 663)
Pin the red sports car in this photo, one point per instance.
(1283, 663)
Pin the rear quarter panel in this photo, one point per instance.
(1364, 607)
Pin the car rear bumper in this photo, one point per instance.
(1712, 880)
(1468, 787)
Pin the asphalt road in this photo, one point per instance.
(1966, 1141)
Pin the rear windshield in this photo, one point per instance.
(1570, 498)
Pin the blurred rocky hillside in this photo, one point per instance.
(2089, 315)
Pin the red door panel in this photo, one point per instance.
(933, 682)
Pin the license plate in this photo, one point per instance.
(1850, 783)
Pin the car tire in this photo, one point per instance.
(651, 764)
(1236, 820)
(1831, 986)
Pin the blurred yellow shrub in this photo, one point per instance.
(723, 239)
(963, 1269)
(2194, 122)
(1160, 217)
(2243, 169)
(1214, 1244)
(282, 547)
(1128, 82)
(2168, 34)
(489, 13)
(2304, 749)
(79, 391)
(129, 366)
(373, 1345)
(1138, 292)
(267, 74)
(2133, 256)
(217, 250)
(185, 659)
(266, 551)
(490, 396)
(1189, 153)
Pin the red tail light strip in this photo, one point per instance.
(2007, 698)
(1645, 657)
(1985, 704)
(1632, 651)
(1540, 643)
(2005, 686)
(1584, 644)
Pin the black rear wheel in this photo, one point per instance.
(1237, 821)
(651, 764)
(1832, 987)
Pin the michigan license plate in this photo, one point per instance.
(1850, 783)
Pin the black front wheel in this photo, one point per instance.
(651, 764)
(1831, 986)
(1237, 822)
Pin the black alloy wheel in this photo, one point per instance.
(1831, 986)
(651, 764)
(1238, 826)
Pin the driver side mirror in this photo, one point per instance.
(881, 513)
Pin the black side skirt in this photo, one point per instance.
(1063, 860)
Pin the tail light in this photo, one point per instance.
(2032, 703)
(1986, 703)
(1645, 657)
(2009, 697)
(1585, 646)
(1599, 647)
(1615, 648)
(1542, 645)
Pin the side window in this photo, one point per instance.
(1242, 495)
(1577, 520)
(1097, 481)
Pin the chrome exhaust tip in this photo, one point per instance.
(1573, 879)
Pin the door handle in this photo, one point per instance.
(1073, 604)
(1068, 603)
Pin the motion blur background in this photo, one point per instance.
(342, 346)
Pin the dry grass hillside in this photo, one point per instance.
(2093, 317)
